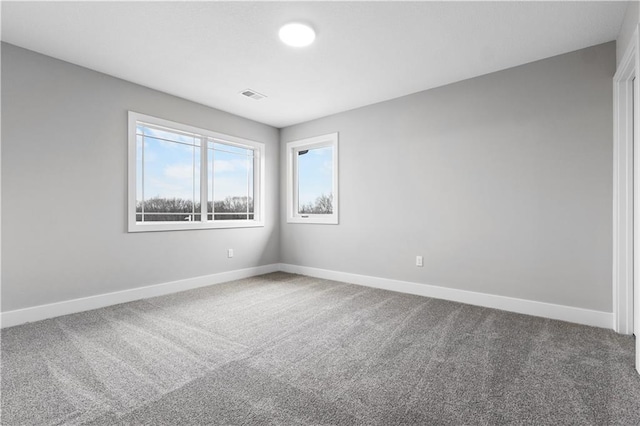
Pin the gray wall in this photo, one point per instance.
(64, 187)
(502, 182)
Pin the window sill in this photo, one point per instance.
(332, 220)
(188, 226)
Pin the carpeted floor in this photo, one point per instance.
(287, 349)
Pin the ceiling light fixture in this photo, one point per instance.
(297, 35)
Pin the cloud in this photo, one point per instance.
(327, 167)
(180, 171)
(228, 166)
(225, 187)
(222, 166)
(149, 154)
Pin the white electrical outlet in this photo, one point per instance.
(230, 253)
(419, 261)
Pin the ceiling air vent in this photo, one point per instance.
(252, 94)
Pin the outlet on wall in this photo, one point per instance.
(419, 261)
(229, 252)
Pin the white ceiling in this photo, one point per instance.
(365, 52)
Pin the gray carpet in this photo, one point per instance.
(292, 350)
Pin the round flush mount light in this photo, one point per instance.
(297, 35)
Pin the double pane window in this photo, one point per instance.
(190, 178)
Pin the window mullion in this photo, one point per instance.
(248, 184)
(204, 179)
(213, 184)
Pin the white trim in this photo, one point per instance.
(528, 307)
(292, 182)
(521, 306)
(622, 274)
(259, 182)
(37, 313)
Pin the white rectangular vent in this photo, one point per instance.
(252, 94)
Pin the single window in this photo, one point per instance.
(312, 180)
(183, 177)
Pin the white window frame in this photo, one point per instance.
(292, 182)
(258, 178)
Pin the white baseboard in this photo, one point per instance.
(521, 306)
(37, 313)
(529, 307)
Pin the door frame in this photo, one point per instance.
(626, 112)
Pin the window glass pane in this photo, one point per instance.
(139, 194)
(231, 180)
(213, 144)
(210, 171)
(168, 135)
(250, 177)
(170, 217)
(315, 180)
(171, 181)
(232, 216)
